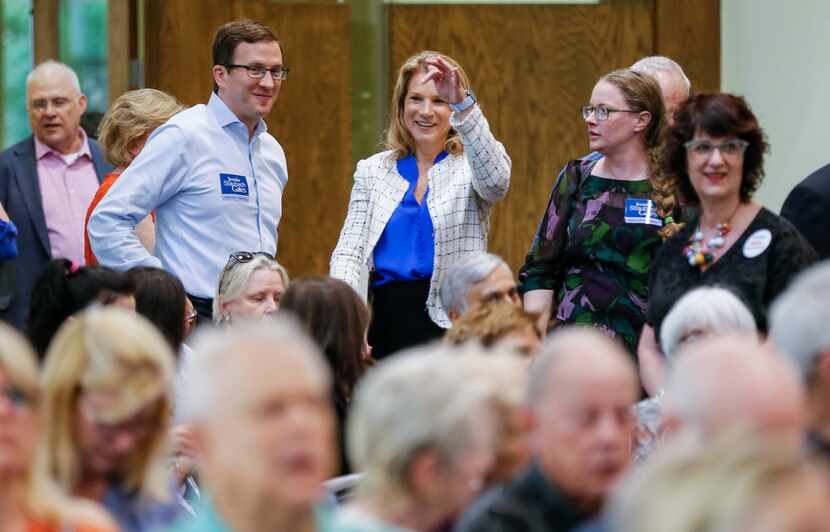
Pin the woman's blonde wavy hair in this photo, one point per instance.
(398, 137)
(131, 116)
(642, 93)
(41, 498)
(118, 352)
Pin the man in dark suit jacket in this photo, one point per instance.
(807, 208)
(48, 221)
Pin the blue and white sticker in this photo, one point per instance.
(234, 186)
(641, 211)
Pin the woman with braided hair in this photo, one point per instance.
(606, 218)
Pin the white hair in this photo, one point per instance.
(216, 347)
(52, 69)
(656, 64)
(463, 275)
(565, 339)
(707, 309)
(798, 318)
(420, 399)
(718, 380)
(234, 279)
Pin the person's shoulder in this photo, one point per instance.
(379, 161)
(192, 118)
(818, 181)
(26, 145)
(499, 506)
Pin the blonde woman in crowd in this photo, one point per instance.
(250, 287)
(122, 134)
(29, 503)
(422, 205)
(107, 403)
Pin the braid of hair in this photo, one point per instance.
(663, 194)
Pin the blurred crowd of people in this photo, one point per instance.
(660, 362)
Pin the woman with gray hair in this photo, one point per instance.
(424, 449)
(250, 286)
(703, 312)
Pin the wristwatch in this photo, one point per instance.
(466, 103)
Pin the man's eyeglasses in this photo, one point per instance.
(15, 396)
(42, 104)
(258, 72)
(241, 257)
(705, 149)
(602, 113)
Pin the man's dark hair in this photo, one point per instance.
(229, 35)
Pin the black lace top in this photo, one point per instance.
(758, 267)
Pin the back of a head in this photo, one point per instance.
(463, 275)
(492, 322)
(337, 319)
(722, 487)
(798, 319)
(423, 408)
(657, 65)
(160, 297)
(62, 290)
(724, 383)
(704, 311)
(132, 116)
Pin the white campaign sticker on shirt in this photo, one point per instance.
(757, 243)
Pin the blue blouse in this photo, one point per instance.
(406, 248)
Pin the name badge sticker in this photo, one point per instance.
(234, 187)
(641, 211)
(757, 243)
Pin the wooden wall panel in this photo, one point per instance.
(689, 33)
(532, 67)
(311, 118)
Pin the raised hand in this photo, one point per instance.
(446, 78)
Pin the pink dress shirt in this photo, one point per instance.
(67, 185)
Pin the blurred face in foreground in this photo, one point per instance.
(584, 423)
(271, 438)
(17, 429)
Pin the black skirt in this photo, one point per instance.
(399, 317)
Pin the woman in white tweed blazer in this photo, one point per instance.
(423, 205)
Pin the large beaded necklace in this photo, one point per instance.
(702, 254)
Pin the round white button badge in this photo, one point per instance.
(757, 243)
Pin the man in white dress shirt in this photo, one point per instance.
(212, 173)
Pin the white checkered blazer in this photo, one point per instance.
(462, 189)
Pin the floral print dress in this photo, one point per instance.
(594, 248)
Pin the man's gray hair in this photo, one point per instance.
(51, 69)
(798, 319)
(709, 309)
(570, 338)
(463, 275)
(420, 399)
(655, 64)
(217, 347)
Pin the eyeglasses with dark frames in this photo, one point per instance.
(279, 73)
(602, 113)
